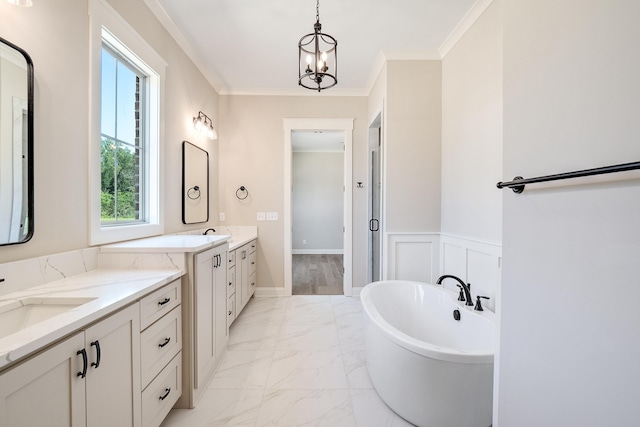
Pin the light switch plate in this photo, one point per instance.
(260, 216)
(272, 216)
(221, 216)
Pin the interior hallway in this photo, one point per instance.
(317, 274)
(296, 361)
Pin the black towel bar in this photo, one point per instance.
(518, 183)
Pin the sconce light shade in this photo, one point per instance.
(203, 123)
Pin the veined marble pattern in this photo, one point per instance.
(25, 274)
(296, 361)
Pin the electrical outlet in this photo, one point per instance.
(260, 216)
(221, 216)
(304, 242)
(272, 216)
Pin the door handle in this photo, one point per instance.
(96, 364)
(371, 225)
(83, 373)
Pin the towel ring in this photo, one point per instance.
(193, 193)
(242, 190)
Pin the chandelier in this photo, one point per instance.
(317, 58)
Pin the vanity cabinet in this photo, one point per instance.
(160, 353)
(90, 379)
(242, 278)
(209, 314)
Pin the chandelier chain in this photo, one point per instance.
(317, 10)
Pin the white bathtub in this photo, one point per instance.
(431, 369)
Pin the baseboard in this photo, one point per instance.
(355, 292)
(317, 251)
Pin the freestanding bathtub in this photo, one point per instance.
(432, 370)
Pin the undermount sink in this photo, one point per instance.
(20, 314)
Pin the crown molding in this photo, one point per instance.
(463, 26)
(161, 14)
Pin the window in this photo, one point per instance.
(122, 154)
(125, 140)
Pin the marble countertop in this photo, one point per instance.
(169, 243)
(234, 236)
(109, 290)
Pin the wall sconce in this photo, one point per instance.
(203, 124)
(23, 3)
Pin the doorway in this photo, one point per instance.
(345, 127)
(317, 211)
(375, 200)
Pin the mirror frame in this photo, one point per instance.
(195, 184)
(30, 145)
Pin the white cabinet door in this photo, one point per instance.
(113, 392)
(245, 292)
(205, 349)
(220, 303)
(46, 389)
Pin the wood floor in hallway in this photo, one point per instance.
(317, 274)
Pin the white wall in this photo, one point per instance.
(317, 204)
(570, 287)
(412, 146)
(56, 36)
(252, 154)
(472, 131)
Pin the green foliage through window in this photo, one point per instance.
(120, 188)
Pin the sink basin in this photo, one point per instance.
(20, 314)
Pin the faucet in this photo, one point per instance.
(466, 288)
(208, 230)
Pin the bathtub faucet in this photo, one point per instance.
(463, 286)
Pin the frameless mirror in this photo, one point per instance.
(16, 144)
(195, 184)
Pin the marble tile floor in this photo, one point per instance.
(296, 361)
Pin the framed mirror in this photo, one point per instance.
(16, 145)
(195, 184)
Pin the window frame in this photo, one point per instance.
(107, 27)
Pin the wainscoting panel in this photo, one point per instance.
(412, 256)
(474, 261)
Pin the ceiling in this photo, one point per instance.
(251, 46)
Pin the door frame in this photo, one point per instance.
(312, 124)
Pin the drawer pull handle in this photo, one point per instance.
(253, 262)
(230, 283)
(230, 312)
(253, 283)
(166, 393)
(83, 352)
(166, 341)
(96, 364)
(164, 301)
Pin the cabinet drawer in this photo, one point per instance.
(231, 281)
(252, 263)
(252, 246)
(232, 259)
(231, 310)
(159, 344)
(163, 392)
(157, 304)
